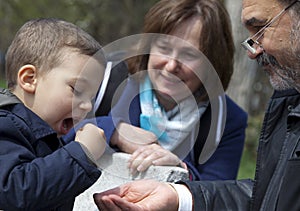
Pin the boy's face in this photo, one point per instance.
(63, 96)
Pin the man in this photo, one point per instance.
(274, 43)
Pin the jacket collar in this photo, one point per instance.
(38, 126)
(284, 93)
(7, 98)
(295, 111)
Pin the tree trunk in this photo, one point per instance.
(244, 69)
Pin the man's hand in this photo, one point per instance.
(138, 195)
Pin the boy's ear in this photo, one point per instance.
(27, 78)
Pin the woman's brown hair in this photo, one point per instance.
(216, 41)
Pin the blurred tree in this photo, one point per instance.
(249, 85)
(110, 20)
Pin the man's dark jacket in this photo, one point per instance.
(277, 184)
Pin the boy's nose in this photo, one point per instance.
(86, 105)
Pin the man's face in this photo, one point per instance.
(277, 50)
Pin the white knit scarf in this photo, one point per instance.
(172, 127)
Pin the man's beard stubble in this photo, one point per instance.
(281, 77)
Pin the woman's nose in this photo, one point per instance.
(172, 65)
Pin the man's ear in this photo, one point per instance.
(27, 78)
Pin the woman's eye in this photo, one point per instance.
(189, 56)
(164, 49)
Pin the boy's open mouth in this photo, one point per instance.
(67, 125)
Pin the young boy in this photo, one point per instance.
(53, 71)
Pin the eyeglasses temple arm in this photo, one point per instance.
(273, 20)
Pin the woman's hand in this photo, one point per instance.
(153, 154)
(129, 138)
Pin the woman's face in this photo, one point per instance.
(173, 62)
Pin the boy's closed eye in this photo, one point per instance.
(76, 91)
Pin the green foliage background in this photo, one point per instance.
(247, 166)
(105, 20)
(2, 83)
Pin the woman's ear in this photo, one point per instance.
(27, 78)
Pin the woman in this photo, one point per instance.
(168, 92)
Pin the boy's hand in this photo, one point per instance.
(93, 138)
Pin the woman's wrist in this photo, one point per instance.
(182, 165)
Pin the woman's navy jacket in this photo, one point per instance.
(225, 161)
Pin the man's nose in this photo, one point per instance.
(258, 50)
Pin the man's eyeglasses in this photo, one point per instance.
(248, 43)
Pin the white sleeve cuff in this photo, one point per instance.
(185, 197)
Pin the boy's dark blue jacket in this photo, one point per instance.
(37, 171)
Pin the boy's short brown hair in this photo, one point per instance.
(40, 42)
